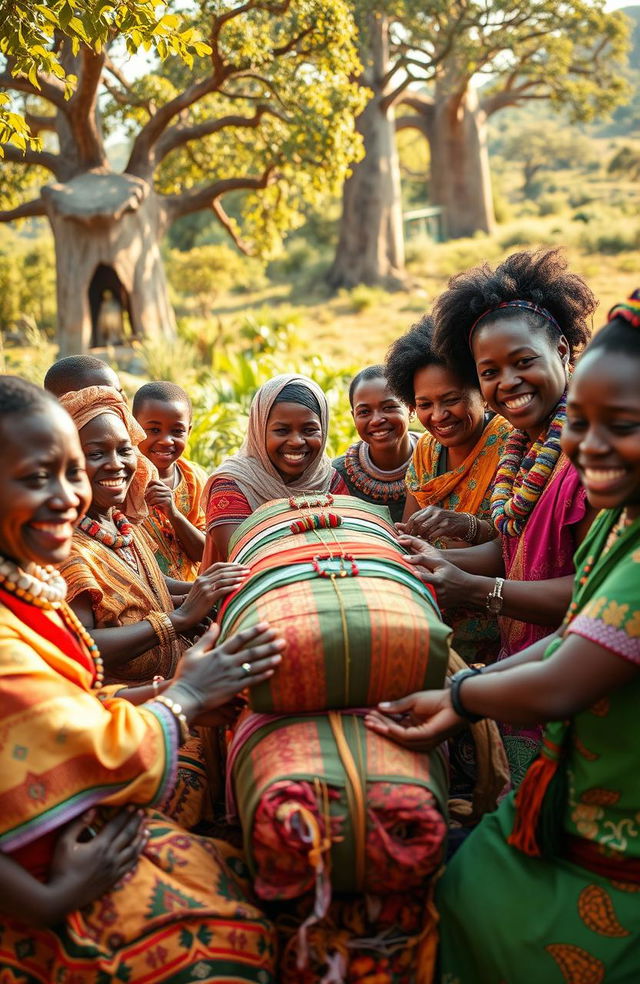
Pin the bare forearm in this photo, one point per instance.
(484, 560)
(191, 538)
(29, 900)
(539, 602)
(531, 654)
(121, 643)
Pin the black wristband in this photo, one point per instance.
(456, 703)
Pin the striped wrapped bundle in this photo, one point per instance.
(360, 626)
(326, 803)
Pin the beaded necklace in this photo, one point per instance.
(44, 587)
(116, 541)
(372, 481)
(523, 474)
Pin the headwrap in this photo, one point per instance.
(629, 310)
(86, 404)
(519, 305)
(251, 468)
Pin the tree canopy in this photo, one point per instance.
(260, 102)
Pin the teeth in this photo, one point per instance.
(379, 433)
(295, 457)
(518, 401)
(112, 483)
(603, 476)
(57, 529)
(445, 430)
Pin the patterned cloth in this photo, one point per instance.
(372, 632)
(587, 916)
(169, 552)
(544, 550)
(227, 504)
(322, 794)
(120, 596)
(466, 488)
(182, 914)
(365, 481)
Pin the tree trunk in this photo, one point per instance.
(113, 220)
(371, 246)
(460, 180)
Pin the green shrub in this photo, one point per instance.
(362, 297)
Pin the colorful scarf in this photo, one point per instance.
(251, 467)
(523, 474)
(468, 484)
(84, 406)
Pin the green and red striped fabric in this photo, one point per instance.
(360, 626)
(324, 800)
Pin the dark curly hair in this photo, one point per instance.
(539, 276)
(414, 351)
(19, 396)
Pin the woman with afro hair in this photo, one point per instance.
(450, 478)
(520, 326)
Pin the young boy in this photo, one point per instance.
(176, 522)
(77, 372)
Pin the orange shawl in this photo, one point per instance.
(119, 596)
(187, 496)
(466, 488)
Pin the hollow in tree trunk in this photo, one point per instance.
(115, 220)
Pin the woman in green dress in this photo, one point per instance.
(561, 858)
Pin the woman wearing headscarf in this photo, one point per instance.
(283, 454)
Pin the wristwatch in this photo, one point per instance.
(455, 683)
(495, 600)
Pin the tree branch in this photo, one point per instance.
(51, 162)
(24, 211)
(177, 136)
(40, 124)
(227, 224)
(49, 90)
(197, 199)
(414, 122)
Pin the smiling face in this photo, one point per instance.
(111, 462)
(452, 412)
(294, 439)
(522, 372)
(44, 489)
(602, 432)
(167, 425)
(381, 419)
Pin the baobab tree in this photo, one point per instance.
(262, 111)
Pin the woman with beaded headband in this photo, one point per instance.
(70, 744)
(562, 856)
(520, 326)
(282, 455)
(374, 468)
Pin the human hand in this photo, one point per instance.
(433, 523)
(207, 589)
(223, 716)
(449, 582)
(211, 675)
(161, 496)
(83, 870)
(418, 722)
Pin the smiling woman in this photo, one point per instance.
(283, 454)
(70, 744)
(518, 326)
(374, 468)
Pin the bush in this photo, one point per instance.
(362, 297)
